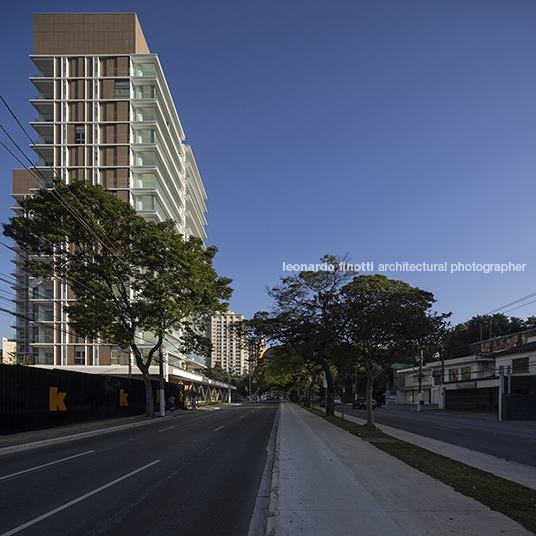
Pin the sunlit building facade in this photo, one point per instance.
(229, 347)
(104, 113)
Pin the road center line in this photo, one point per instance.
(214, 430)
(46, 464)
(60, 508)
(166, 429)
(449, 426)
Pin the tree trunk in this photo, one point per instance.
(149, 403)
(330, 393)
(370, 386)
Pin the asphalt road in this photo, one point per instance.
(511, 441)
(197, 473)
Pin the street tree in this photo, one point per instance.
(287, 372)
(308, 318)
(130, 276)
(388, 321)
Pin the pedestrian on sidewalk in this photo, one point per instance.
(171, 401)
(194, 401)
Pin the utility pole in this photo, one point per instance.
(419, 397)
(501, 390)
(228, 384)
(162, 384)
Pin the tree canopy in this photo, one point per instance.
(337, 319)
(308, 319)
(129, 275)
(483, 327)
(388, 321)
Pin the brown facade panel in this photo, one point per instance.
(23, 180)
(122, 178)
(70, 355)
(123, 156)
(76, 111)
(123, 131)
(77, 174)
(105, 355)
(107, 89)
(123, 66)
(88, 33)
(70, 134)
(123, 111)
(123, 196)
(76, 156)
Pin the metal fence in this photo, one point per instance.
(32, 398)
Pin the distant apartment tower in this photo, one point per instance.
(229, 348)
(104, 113)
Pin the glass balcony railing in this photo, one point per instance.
(144, 136)
(44, 295)
(47, 316)
(145, 180)
(44, 339)
(144, 114)
(144, 70)
(144, 92)
(44, 96)
(145, 202)
(145, 159)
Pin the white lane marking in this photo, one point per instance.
(214, 430)
(46, 464)
(449, 426)
(60, 508)
(166, 429)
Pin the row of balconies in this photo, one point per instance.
(140, 70)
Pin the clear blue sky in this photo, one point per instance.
(388, 130)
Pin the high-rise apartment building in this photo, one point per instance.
(229, 347)
(104, 113)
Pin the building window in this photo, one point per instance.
(453, 375)
(466, 373)
(122, 89)
(79, 134)
(520, 366)
(79, 355)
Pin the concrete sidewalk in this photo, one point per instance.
(516, 472)
(326, 480)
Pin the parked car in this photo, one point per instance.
(337, 401)
(361, 403)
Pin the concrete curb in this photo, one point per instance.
(271, 519)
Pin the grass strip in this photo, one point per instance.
(509, 498)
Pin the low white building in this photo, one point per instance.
(464, 383)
